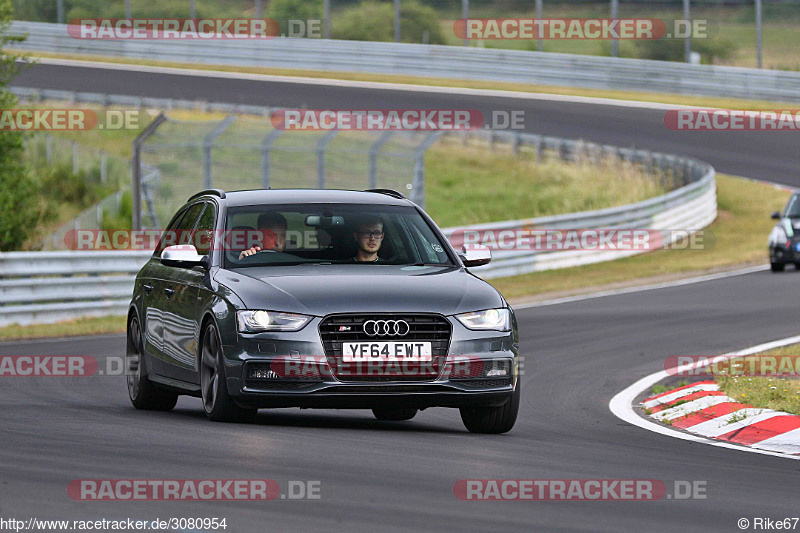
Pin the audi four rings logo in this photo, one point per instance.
(384, 328)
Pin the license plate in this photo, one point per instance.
(354, 352)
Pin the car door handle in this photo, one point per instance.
(169, 292)
(147, 288)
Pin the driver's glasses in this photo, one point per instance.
(377, 235)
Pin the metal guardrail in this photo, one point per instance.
(688, 208)
(40, 287)
(543, 68)
(43, 287)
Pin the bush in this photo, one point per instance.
(61, 185)
(19, 208)
(305, 10)
(36, 10)
(373, 21)
(123, 218)
(711, 50)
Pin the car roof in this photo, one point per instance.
(301, 196)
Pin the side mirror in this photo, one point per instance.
(475, 255)
(184, 256)
(776, 215)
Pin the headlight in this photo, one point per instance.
(256, 321)
(497, 319)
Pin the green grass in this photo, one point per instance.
(472, 184)
(737, 237)
(779, 393)
(72, 328)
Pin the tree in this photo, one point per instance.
(18, 191)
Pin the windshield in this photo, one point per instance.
(792, 209)
(267, 235)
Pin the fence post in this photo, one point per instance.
(49, 148)
(103, 166)
(321, 146)
(208, 144)
(266, 146)
(74, 157)
(136, 169)
(418, 185)
(373, 158)
(539, 148)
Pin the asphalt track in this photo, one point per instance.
(769, 156)
(399, 476)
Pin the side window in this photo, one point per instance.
(204, 233)
(165, 240)
(179, 232)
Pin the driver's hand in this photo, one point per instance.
(249, 252)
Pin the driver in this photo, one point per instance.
(271, 225)
(368, 237)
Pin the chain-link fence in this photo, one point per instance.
(63, 159)
(244, 152)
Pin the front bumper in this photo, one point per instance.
(780, 253)
(467, 377)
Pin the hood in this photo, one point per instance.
(325, 289)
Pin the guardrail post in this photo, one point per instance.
(321, 146)
(373, 158)
(266, 146)
(208, 144)
(136, 169)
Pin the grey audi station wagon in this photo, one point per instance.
(319, 299)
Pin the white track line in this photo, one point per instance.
(722, 425)
(785, 442)
(679, 394)
(690, 407)
(621, 405)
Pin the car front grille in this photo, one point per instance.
(337, 329)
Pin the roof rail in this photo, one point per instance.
(208, 192)
(388, 192)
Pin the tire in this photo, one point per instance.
(143, 394)
(492, 419)
(394, 414)
(777, 267)
(217, 404)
